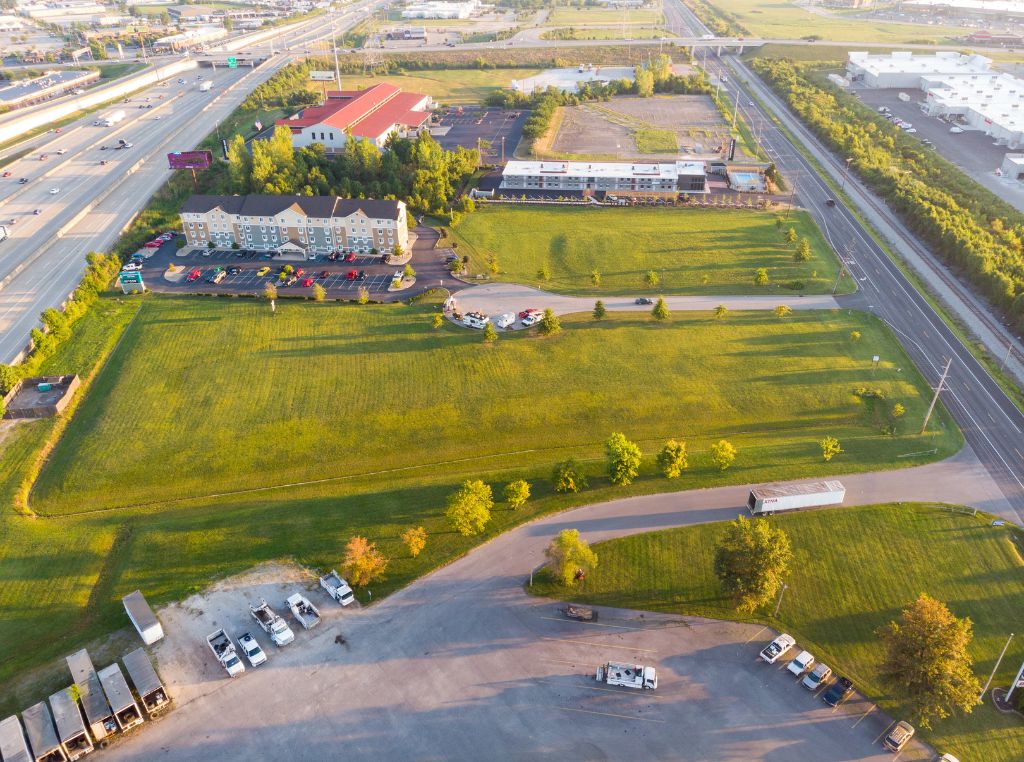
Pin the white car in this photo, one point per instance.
(533, 317)
(132, 266)
(252, 650)
(54, 191)
(61, 151)
(817, 677)
(803, 662)
(956, 130)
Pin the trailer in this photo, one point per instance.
(142, 616)
(97, 711)
(634, 676)
(42, 736)
(224, 650)
(147, 685)
(272, 624)
(764, 501)
(113, 118)
(120, 698)
(70, 728)
(305, 612)
(337, 588)
(13, 747)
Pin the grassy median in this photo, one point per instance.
(854, 569)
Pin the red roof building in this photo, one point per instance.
(370, 114)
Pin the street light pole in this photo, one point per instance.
(998, 661)
(935, 399)
(779, 604)
(846, 171)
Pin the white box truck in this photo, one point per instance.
(113, 118)
(13, 747)
(97, 710)
(120, 698)
(764, 501)
(147, 685)
(628, 675)
(272, 624)
(205, 86)
(70, 728)
(224, 650)
(143, 618)
(42, 736)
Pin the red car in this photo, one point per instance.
(7, 174)
(529, 311)
(352, 275)
(299, 273)
(350, 257)
(307, 282)
(43, 157)
(152, 244)
(194, 275)
(325, 275)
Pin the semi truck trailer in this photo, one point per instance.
(42, 736)
(74, 738)
(13, 747)
(772, 498)
(94, 702)
(205, 87)
(142, 616)
(120, 698)
(147, 685)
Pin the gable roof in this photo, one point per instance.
(321, 207)
(367, 113)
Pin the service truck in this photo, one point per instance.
(13, 747)
(272, 624)
(305, 612)
(224, 650)
(337, 588)
(205, 86)
(764, 501)
(120, 698)
(628, 675)
(41, 734)
(144, 678)
(113, 118)
(70, 727)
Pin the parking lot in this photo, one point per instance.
(489, 125)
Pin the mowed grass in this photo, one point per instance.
(656, 141)
(854, 569)
(447, 86)
(693, 251)
(577, 16)
(209, 396)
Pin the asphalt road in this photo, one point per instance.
(462, 665)
(992, 425)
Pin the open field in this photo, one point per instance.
(694, 251)
(784, 20)
(446, 86)
(577, 16)
(853, 570)
(605, 33)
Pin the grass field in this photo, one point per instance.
(448, 86)
(605, 33)
(577, 16)
(786, 21)
(656, 141)
(853, 570)
(694, 251)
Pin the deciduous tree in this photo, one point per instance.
(595, 278)
(469, 509)
(783, 310)
(437, 320)
(550, 324)
(623, 459)
(791, 235)
(490, 333)
(516, 493)
(672, 460)
(270, 291)
(723, 454)
(651, 278)
(599, 310)
(415, 540)
(829, 447)
(721, 311)
(751, 559)
(319, 292)
(569, 553)
(761, 277)
(363, 562)
(568, 477)
(660, 310)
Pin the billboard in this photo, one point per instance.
(322, 76)
(189, 159)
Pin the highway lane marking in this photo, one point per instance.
(601, 645)
(604, 714)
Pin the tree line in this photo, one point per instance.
(973, 231)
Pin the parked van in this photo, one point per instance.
(475, 320)
(506, 320)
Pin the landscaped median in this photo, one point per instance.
(853, 570)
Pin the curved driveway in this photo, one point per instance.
(463, 665)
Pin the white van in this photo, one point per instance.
(504, 321)
(475, 320)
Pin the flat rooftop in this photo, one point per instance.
(988, 6)
(999, 98)
(903, 62)
(20, 89)
(639, 170)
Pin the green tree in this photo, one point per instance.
(928, 661)
(723, 454)
(363, 562)
(490, 334)
(270, 291)
(437, 320)
(721, 311)
(229, 24)
(829, 448)
(898, 411)
(415, 540)
(319, 292)
(595, 278)
(364, 295)
(544, 272)
(791, 235)
(803, 251)
(660, 310)
(550, 325)
(599, 310)
(516, 493)
(672, 460)
(783, 310)
(651, 278)
(568, 553)
(644, 83)
(568, 477)
(761, 277)
(854, 335)
(408, 273)
(469, 509)
(751, 558)
(623, 459)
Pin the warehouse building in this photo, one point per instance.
(440, 10)
(371, 114)
(903, 69)
(633, 180)
(300, 225)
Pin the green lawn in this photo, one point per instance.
(577, 16)
(694, 251)
(853, 570)
(656, 141)
(450, 85)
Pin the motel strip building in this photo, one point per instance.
(630, 179)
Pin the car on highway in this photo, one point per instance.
(157, 116)
(22, 181)
(307, 282)
(533, 317)
(104, 147)
(817, 677)
(37, 211)
(838, 692)
(643, 300)
(104, 162)
(43, 157)
(350, 257)
(54, 191)
(8, 173)
(251, 649)
(194, 275)
(262, 271)
(899, 736)
(61, 151)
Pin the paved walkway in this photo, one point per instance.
(498, 298)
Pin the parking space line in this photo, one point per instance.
(756, 634)
(601, 645)
(883, 733)
(604, 714)
(869, 711)
(592, 624)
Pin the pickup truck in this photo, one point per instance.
(337, 588)
(304, 612)
(224, 650)
(272, 624)
(774, 650)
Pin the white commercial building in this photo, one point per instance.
(1013, 166)
(957, 87)
(616, 177)
(191, 38)
(437, 9)
(1001, 7)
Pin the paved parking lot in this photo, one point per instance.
(486, 124)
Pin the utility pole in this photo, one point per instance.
(334, 47)
(1006, 358)
(846, 171)
(935, 399)
(1013, 687)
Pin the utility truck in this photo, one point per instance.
(272, 624)
(764, 501)
(304, 612)
(224, 650)
(113, 118)
(628, 675)
(204, 87)
(337, 588)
